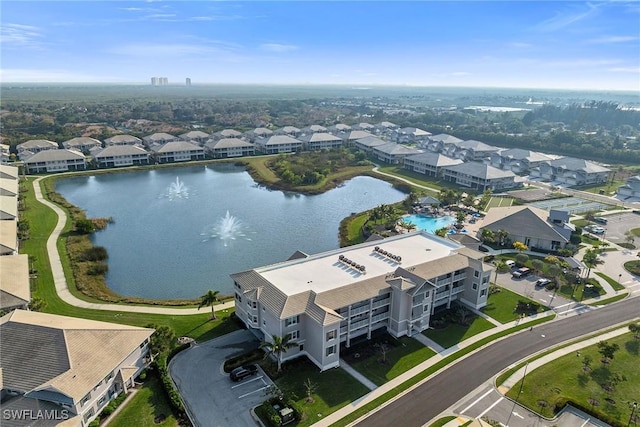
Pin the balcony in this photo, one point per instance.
(379, 317)
(381, 303)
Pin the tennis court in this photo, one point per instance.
(574, 205)
(499, 202)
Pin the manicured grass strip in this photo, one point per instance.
(614, 283)
(353, 233)
(401, 358)
(442, 421)
(609, 300)
(431, 370)
(335, 388)
(502, 305)
(456, 333)
(148, 404)
(550, 386)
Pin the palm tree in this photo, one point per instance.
(210, 298)
(278, 347)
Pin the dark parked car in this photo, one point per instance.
(601, 220)
(521, 272)
(243, 372)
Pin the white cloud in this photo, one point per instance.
(460, 73)
(625, 70)
(567, 17)
(614, 39)
(278, 47)
(520, 45)
(166, 50)
(20, 35)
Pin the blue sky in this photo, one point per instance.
(538, 44)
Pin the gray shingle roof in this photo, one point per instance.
(522, 221)
(394, 149)
(55, 155)
(371, 141)
(120, 150)
(480, 170)
(228, 143)
(38, 143)
(319, 137)
(279, 139)
(175, 146)
(445, 138)
(573, 164)
(123, 139)
(435, 159)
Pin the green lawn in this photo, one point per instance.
(502, 305)
(404, 354)
(565, 380)
(148, 404)
(614, 283)
(419, 179)
(335, 389)
(455, 332)
(495, 202)
(353, 226)
(581, 291)
(42, 220)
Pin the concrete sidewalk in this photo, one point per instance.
(60, 281)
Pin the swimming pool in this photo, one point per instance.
(429, 223)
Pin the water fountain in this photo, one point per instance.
(227, 228)
(177, 190)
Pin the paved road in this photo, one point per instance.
(428, 400)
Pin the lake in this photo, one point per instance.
(181, 231)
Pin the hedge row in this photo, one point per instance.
(243, 359)
(169, 387)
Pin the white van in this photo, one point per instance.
(510, 263)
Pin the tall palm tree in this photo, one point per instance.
(278, 347)
(209, 298)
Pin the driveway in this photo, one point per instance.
(210, 397)
(618, 224)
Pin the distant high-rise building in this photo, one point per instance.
(188, 81)
(159, 81)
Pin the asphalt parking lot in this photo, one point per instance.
(526, 286)
(210, 397)
(618, 224)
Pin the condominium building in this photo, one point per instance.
(328, 300)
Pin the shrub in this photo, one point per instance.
(98, 269)
(95, 253)
(168, 386)
(243, 359)
(85, 226)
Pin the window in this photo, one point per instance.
(292, 321)
(264, 322)
(255, 319)
(476, 273)
(85, 399)
(108, 377)
(475, 286)
(254, 304)
(331, 350)
(485, 280)
(102, 400)
(294, 335)
(331, 335)
(483, 292)
(88, 415)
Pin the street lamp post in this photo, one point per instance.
(619, 278)
(634, 406)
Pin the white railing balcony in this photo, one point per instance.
(358, 325)
(382, 303)
(359, 310)
(379, 317)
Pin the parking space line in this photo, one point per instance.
(251, 392)
(476, 401)
(490, 407)
(247, 382)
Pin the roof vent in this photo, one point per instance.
(352, 264)
(396, 258)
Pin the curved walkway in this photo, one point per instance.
(376, 169)
(62, 288)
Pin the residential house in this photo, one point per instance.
(121, 155)
(569, 171)
(8, 186)
(289, 130)
(517, 160)
(229, 147)
(350, 137)
(535, 227)
(9, 172)
(8, 238)
(367, 144)
(472, 150)
(364, 126)
(429, 164)
(33, 146)
(83, 144)
(227, 133)
(320, 141)
(258, 133)
(393, 153)
(195, 136)
(71, 365)
(339, 129)
(411, 135)
(15, 290)
(437, 143)
(158, 139)
(60, 160)
(479, 176)
(277, 144)
(8, 208)
(332, 299)
(313, 129)
(177, 151)
(631, 188)
(385, 128)
(123, 140)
